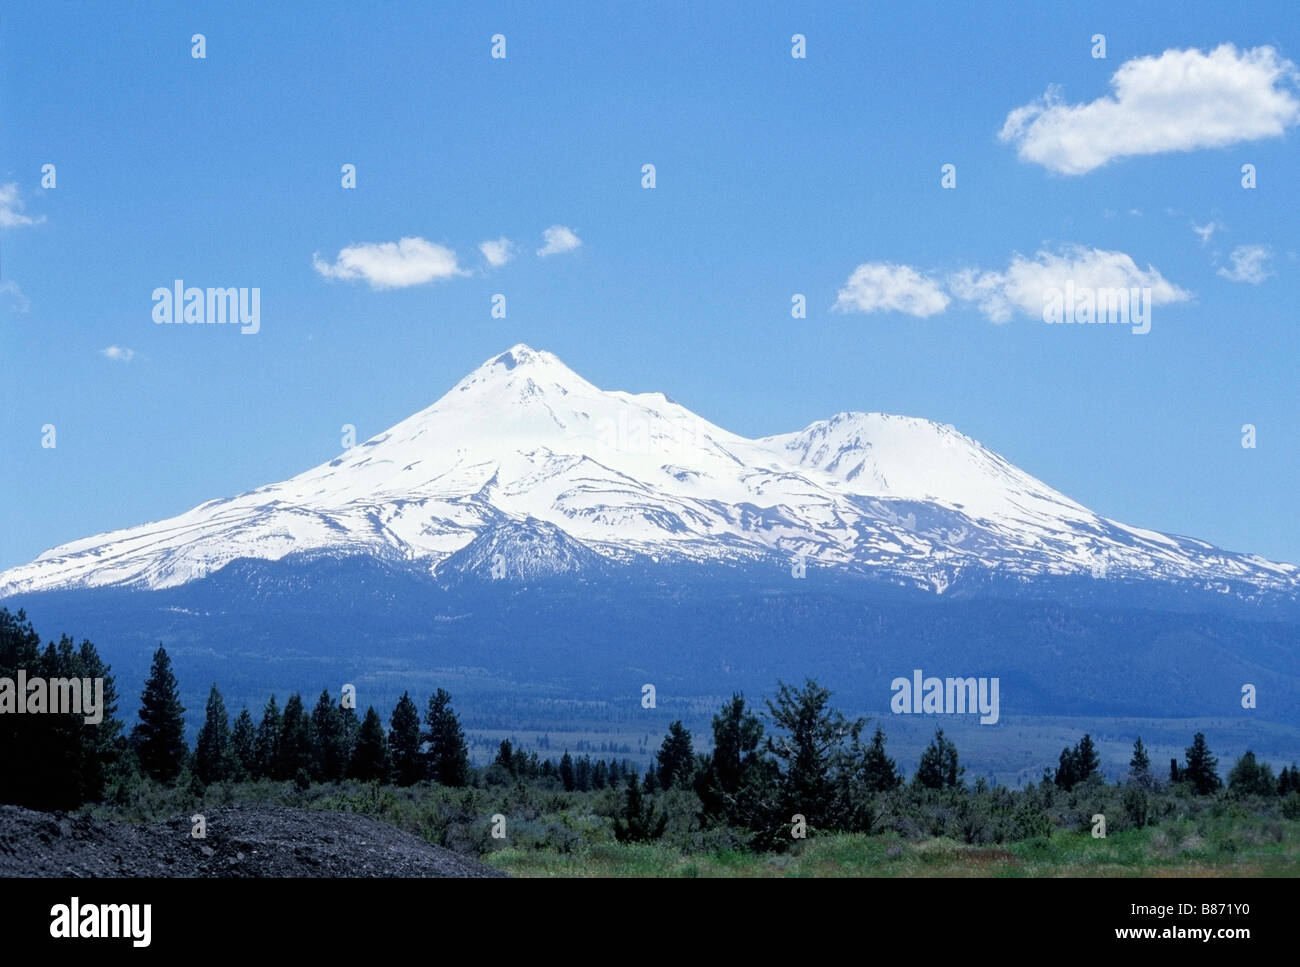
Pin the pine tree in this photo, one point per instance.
(600, 775)
(506, 757)
(735, 781)
(1200, 770)
(296, 746)
(24, 743)
(1066, 773)
(160, 737)
(1251, 778)
(582, 774)
(1175, 774)
(371, 761)
(212, 751)
(268, 742)
(448, 755)
(810, 748)
(243, 746)
(879, 771)
(1087, 763)
(331, 753)
(93, 748)
(567, 778)
(676, 757)
(1139, 767)
(939, 767)
(953, 770)
(638, 821)
(404, 742)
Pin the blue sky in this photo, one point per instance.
(774, 176)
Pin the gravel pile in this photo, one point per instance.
(249, 841)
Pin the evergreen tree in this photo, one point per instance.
(600, 775)
(567, 778)
(332, 752)
(101, 745)
(879, 771)
(212, 751)
(448, 755)
(295, 749)
(1251, 778)
(736, 779)
(160, 737)
(1066, 773)
(1175, 773)
(1200, 770)
(371, 761)
(1139, 767)
(810, 749)
(506, 757)
(55, 761)
(243, 746)
(676, 757)
(1288, 780)
(24, 743)
(582, 774)
(404, 741)
(349, 730)
(939, 767)
(268, 742)
(651, 782)
(1087, 763)
(638, 821)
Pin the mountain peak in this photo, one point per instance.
(521, 354)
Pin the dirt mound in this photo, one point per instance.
(251, 841)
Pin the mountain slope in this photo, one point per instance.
(523, 458)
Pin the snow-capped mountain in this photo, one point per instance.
(526, 466)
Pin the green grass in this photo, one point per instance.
(553, 833)
(1231, 848)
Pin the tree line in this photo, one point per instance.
(809, 765)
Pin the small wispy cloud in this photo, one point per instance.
(392, 265)
(118, 354)
(1181, 100)
(12, 206)
(497, 252)
(20, 302)
(886, 287)
(1250, 263)
(558, 239)
(1205, 232)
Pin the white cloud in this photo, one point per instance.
(558, 238)
(1204, 232)
(1249, 264)
(118, 354)
(885, 287)
(1023, 285)
(11, 208)
(20, 302)
(392, 265)
(497, 252)
(1179, 101)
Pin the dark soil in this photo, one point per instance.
(252, 841)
